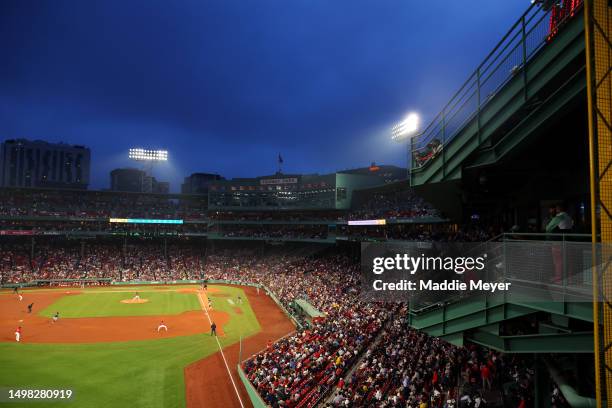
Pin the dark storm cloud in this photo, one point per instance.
(226, 85)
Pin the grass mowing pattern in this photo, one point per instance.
(122, 374)
(105, 304)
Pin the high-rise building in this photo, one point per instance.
(151, 185)
(130, 180)
(25, 163)
(198, 183)
(137, 181)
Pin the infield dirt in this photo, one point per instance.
(207, 382)
(38, 329)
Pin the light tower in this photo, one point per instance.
(148, 157)
(407, 130)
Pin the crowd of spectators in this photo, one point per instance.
(98, 227)
(362, 354)
(116, 260)
(405, 368)
(100, 204)
(274, 231)
(440, 232)
(15, 263)
(291, 216)
(358, 354)
(394, 204)
(300, 368)
(105, 204)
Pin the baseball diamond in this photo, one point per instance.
(106, 350)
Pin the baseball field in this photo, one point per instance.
(108, 348)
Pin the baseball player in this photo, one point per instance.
(213, 329)
(30, 307)
(136, 296)
(20, 297)
(162, 325)
(55, 317)
(210, 304)
(18, 334)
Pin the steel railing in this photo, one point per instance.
(552, 264)
(532, 31)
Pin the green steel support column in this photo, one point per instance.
(541, 384)
(444, 320)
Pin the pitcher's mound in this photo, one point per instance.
(135, 301)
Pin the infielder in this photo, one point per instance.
(162, 325)
(18, 334)
(55, 317)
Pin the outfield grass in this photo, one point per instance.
(105, 304)
(122, 374)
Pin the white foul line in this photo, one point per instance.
(205, 308)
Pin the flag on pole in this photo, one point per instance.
(280, 159)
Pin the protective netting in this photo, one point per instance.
(545, 270)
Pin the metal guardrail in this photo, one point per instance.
(531, 32)
(538, 236)
(254, 396)
(417, 308)
(523, 259)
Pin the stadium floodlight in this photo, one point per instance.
(406, 128)
(148, 155)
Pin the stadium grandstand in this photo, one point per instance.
(506, 165)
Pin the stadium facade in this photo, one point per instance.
(25, 163)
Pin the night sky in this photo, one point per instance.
(227, 85)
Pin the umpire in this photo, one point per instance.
(213, 329)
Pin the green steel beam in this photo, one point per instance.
(465, 315)
(544, 67)
(551, 108)
(535, 343)
(575, 310)
(485, 312)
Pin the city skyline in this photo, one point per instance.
(226, 87)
